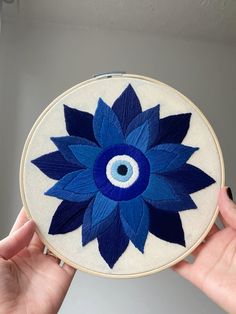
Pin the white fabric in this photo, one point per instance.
(157, 252)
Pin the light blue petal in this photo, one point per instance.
(86, 154)
(169, 157)
(106, 126)
(102, 208)
(60, 190)
(135, 220)
(159, 189)
(139, 137)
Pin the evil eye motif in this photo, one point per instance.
(122, 171)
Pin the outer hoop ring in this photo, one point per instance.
(120, 276)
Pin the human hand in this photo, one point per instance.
(30, 281)
(214, 267)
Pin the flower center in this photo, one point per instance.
(121, 172)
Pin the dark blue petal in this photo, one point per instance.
(139, 137)
(166, 225)
(173, 129)
(190, 178)
(68, 217)
(113, 242)
(59, 190)
(63, 143)
(152, 117)
(168, 157)
(166, 195)
(85, 154)
(106, 126)
(127, 107)
(54, 165)
(83, 182)
(90, 231)
(79, 123)
(135, 220)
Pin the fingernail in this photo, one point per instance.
(229, 192)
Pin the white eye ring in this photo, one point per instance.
(131, 180)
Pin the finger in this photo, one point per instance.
(214, 229)
(227, 208)
(15, 242)
(184, 269)
(36, 242)
(20, 221)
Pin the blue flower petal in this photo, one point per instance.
(152, 117)
(90, 231)
(113, 242)
(106, 126)
(173, 129)
(54, 165)
(60, 190)
(68, 217)
(64, 142)
(83, 182)
(127, 107)
(134, 215)
(190, 178)
(102, 208)
(166, 225)
(85, 154)
(139, 137)
(166, 196)
(79, 123)
(168, 157)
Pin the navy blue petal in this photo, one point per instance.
(63, 143)
(168, 157)
(190, 178)
(166, 225)
(152, 117)
(135, 220)
(106, 126)
(68, 217)
(60, 190)
(127, 106)
(54, 165)
(113, 242)
(79, 123)
(90, 231)
(173, 129)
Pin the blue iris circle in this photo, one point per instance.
(117, 172)
(115, 192)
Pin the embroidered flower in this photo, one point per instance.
(121, 174)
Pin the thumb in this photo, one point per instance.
(18, 240)
(227, 207)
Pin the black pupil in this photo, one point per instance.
(122, 170)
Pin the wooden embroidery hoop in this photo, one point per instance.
(61, 256)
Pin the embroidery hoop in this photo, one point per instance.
(37, 125)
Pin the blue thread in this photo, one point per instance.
(68, 217)
(85, 154)
(115, 173)
(135, 220)
(127, 106)
(113, 242)
(54, 165)
(166, 225)
(79, 123)
(114, 192)
(106, 126)
(139, 137)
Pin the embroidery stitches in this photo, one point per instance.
(121, 174)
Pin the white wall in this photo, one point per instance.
(38, 62)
